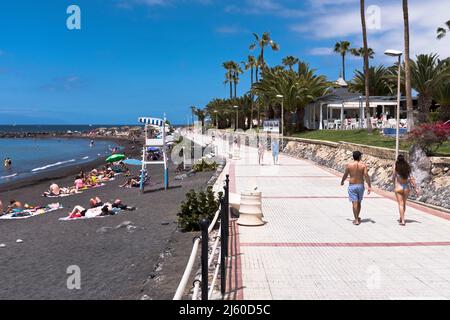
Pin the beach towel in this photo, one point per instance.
(28, 213)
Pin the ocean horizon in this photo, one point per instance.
(36, 128)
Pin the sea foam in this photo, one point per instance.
(52, 165)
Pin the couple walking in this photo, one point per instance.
(275, 147)
(402, 179)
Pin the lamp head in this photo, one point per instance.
(393, 53)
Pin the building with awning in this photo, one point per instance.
(341, 106)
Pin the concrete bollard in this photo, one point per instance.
(250, 211)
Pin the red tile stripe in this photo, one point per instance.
(315, 197)
(345, 244)
(288, 177)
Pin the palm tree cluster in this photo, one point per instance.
(298, 88)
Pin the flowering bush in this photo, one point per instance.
(430, 136)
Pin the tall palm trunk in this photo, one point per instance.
(231, 84)
(366, 64)
(424, 102)
(300, 112)
(251, 97)
(235, 88)
(343, 65)
(409, 102)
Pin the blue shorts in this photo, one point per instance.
(355, 192)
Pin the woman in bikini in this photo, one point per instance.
(403, 180)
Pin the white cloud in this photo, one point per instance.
(231, 30)
(265, 7)
(321, 51)
(343, 22)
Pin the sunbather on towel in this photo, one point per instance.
(79, 183)
(97, 202)
(55, 191)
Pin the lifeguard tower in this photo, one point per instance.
(151, 142)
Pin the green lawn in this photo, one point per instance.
(362, 137)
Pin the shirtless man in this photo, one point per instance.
(358, 173)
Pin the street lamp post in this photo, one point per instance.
(237, 118)
(282, 117)
(397, 53)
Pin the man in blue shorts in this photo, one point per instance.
(358, 173)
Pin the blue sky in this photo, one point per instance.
(146, 57)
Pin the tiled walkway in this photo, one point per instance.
(309, 248)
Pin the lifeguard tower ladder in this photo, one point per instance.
(159, 142)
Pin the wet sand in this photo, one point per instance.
(116, 263)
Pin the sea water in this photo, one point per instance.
(31, 156)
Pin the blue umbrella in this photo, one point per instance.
(133, 162)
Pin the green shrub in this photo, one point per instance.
(197, 206)
(203, 166)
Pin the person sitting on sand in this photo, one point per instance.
(14, 206)
(79, 183)
(132, 182)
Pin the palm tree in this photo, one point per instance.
(193, 110)
(442, 96)
(228, 65)
(236, 71)
(366, 63)
(290, 61)
(359, 52)
(428, 73)
(379, 80)
(342, 47)
(408, 92)
(298, 89)
(251, 64)
(442, 31)
(262, 42)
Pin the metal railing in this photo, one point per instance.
(208, 258)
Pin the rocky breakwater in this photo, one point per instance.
(431, 173)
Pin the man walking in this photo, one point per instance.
(358, 173)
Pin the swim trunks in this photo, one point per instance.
(355, 192)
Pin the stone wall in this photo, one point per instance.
(432, 174)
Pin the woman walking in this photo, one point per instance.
(261, 149)
(275, 149)
(403, 180)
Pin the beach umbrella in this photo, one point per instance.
(133, 162)
(115, 158)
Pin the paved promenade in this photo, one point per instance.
(309, 248)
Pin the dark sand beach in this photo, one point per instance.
(115, 262)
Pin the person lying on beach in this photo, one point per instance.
(55, 191)
(97, 202)
(101, 210)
